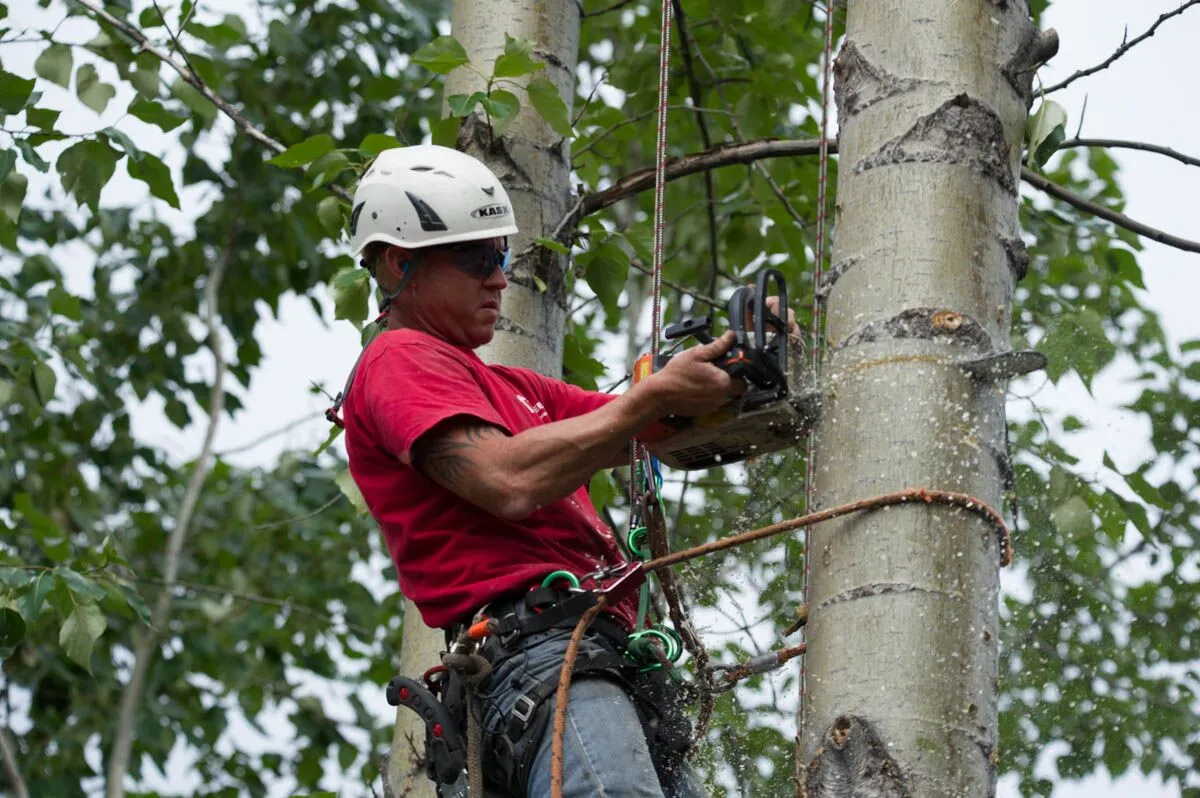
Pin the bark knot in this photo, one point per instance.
(854, 763)
(859, 83)
(961, 131)
(936, 324)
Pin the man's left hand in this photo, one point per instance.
(772, 304)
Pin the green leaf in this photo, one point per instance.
(155, 174)
(329, 211)
(91, 91)
(549, 103)
(346, 484)
(12, 631)
(124, 142)
(155, 113)
(8, 160)
(54, 64)
(442, 55)
(502, 104)
(326, 168)
(42, 118)
(516, 60)
(80, 632)
(44, 382)
(444, 132)
(79, 584)
(35, 598)
(305, 152)
(552, 245)
(606, 270)
(1047, 129)
(376, 143)
(31, 156)
(464, 104)
(351, 287)
(85, 168)
(64, 303)
(14, 92)
(334, 433)
(12, 195)
(133, 600)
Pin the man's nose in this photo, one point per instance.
(496, 280)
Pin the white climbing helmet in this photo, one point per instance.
(426, 195)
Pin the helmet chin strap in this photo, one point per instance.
(406, 272)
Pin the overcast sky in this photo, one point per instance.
(1145, 96)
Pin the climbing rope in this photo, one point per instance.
(815, 341)
(759, 664)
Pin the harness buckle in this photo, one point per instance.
(523, 712)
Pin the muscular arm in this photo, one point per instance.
(512, 476)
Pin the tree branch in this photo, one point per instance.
(146, 644)
(239, 120)
(275, 433)
(723, 155)
(752, 151)
(1116, 217)
(1125, 47)
(1131, 145)
(11, 772)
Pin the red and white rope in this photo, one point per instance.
(660, 178)
(815, 341)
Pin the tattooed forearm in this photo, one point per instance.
(450, 456)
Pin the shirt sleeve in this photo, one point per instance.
(565, 400)
(408, 389)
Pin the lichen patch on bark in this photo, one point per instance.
(961, 131)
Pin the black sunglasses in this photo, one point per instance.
(480, 260)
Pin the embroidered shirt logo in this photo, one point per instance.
(538, 410)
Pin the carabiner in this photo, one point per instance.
(554, 576)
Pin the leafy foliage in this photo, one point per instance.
(272, 602)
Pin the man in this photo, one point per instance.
(477, 474)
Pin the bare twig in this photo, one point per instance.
(614, 7)
(1125, 47)
(275, 433)
(1131, 145)
(146, 644)
(1116, 217)
(633, 120)
(11, 772)
(297, 519)
(693, 294)
(176, 45)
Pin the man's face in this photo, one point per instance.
(455, 292)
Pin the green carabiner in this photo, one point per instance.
(637, 542)
(554, 576)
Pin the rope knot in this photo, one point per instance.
(473, 667)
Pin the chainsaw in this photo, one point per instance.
(774, 413)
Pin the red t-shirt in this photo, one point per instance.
(451, 556)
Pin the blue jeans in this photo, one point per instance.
(606, 752)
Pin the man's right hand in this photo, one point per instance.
(691, 385)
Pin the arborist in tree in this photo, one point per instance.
(477, 475)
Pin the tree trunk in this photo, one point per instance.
(533, 164)
(902, 660)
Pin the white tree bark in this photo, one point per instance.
(902, 660)
(533, 164)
